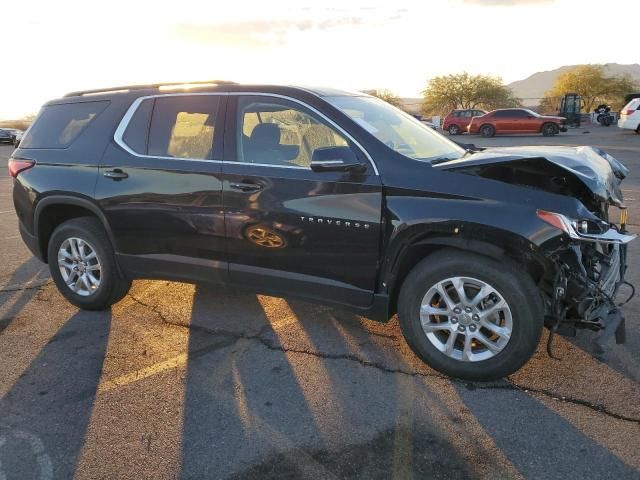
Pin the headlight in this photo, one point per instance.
(583, 229)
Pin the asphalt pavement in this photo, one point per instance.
(186, 381)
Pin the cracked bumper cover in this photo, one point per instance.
(588, 279)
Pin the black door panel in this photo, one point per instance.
(168, 208)
(163, 206)
(292, 230)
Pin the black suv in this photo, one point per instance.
(331, 196)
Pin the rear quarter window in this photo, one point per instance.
(58, 126)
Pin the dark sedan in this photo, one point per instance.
(6, 136)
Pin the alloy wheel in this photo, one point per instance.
(466, 319)
(79, 266)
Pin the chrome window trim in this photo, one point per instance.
(124, 123)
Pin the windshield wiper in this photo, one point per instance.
(436, 161)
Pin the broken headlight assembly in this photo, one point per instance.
(587, 229)
(589, 273)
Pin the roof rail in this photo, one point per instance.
(127, 88)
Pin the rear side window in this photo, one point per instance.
(502, 114)
(137, 133)
(183, 126)
(58, 126)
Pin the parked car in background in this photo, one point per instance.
(516, 120)
(6, 136)
(18, 137)
(630, 116)
(457, 121)
(425, 122)
(429, 124)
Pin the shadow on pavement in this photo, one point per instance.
(550, 447)
(32, 270)
(49, 408)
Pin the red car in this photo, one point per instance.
(458, 120)
(516, 120)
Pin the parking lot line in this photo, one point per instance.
(140, 374)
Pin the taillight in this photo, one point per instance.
(17, 165)
(631, 111)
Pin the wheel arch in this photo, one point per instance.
(52, 210)
(499, 245)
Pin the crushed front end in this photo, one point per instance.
(587, 277)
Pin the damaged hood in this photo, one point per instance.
(596, 169)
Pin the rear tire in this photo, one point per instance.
(514, 331)
(83, 265)
(550, 129)
(454, 130)
(487, 130)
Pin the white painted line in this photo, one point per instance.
(8, 211)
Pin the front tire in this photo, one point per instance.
(83, 265)
(469, 316)
(487, 130)
(550, 129)
(454, 130)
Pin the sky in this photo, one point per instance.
(65, 45)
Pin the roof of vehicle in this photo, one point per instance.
(200, 87)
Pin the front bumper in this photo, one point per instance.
(589, 275)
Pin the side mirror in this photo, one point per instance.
(335, 159)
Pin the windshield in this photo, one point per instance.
(396, 129)
(531, 112)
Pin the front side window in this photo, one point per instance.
(396, 129)
(183, 126)
(279, 132)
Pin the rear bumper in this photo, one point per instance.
(628, 123)
(31, 242)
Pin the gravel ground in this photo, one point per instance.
(188, 381)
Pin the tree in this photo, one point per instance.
(448, 92)
(593, 86)
(388, 96)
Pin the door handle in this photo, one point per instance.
(246, 187)
(116, 174)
